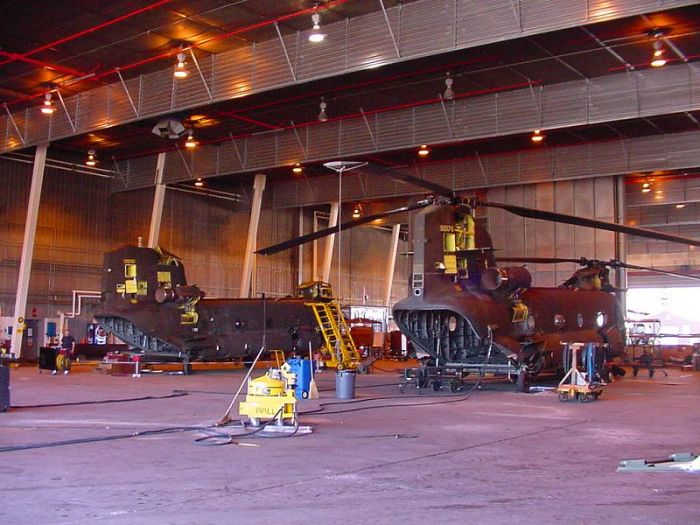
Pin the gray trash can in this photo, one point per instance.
(345, 384)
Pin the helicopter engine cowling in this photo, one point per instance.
(508, 279)
(180, 293)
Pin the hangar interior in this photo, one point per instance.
(206, 129)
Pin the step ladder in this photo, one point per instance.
(339, 351)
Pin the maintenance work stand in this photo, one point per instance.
(576, 384)
(339, 350)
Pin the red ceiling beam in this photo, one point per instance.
(222, 36)
(168, 53)
(53, 67)
(84, 32)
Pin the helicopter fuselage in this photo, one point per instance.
(456, 324)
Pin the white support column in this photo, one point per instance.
(300, 271)
(25, 265)
(328, 252)
(392, 263)
(620, 242)
(158, 200)
(258, 188)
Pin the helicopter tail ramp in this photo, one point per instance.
(132, 335)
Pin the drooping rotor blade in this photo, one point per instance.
(656, 270)
(291, 243)
(539, 260)
(434, 187)
(613, 263)
(532, 213)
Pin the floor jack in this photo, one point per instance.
(576, 384)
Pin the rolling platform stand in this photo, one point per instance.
(577, 384)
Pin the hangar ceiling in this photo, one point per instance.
(577, 69)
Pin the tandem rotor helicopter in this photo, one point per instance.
(464, 310)
(467, 312)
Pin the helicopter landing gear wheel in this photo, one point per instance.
(563, 396)
(585, 398)
(437, 386)
(523, 383)
(455, 386)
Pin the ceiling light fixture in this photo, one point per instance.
(199, 182)
(316, 36)
(181, 67)
(297, 169)
(424, 151)
(322, 116)
(449, 92)
(49, 106)
(537, 136)
(657, 56)
(91, 158)
(357, 212)
(190, 143)
(680, 205)
(646, 186)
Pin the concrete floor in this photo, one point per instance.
(492, 456)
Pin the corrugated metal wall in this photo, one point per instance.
(657, 210)
(667, 151)
(364, 255)
(80, 219)
(642, 93)
(420, 28)
(72, 233)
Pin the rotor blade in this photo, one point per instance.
(291, 243)
(540, 260)
(532, 213)
(591, 262)
(410, 179)
(656, 270)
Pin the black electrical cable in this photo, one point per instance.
(51, 444)
(176, 393)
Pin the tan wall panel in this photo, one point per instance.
(517, 237)
(80, 219)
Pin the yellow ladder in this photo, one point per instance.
(340, 351)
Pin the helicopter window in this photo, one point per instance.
(601, 319)
(530, 323)
(452, 323)
(559, 321)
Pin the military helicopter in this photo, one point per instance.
(147, 303)
(465, 311)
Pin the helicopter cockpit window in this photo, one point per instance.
(601, 319)
(452, 323)
(559, 321)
